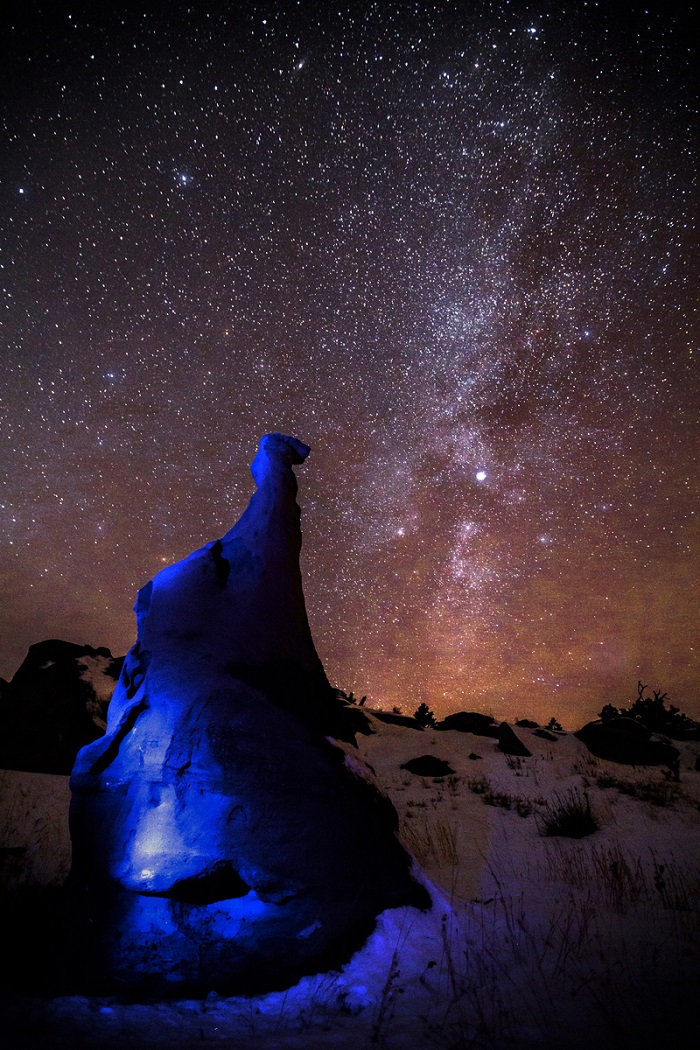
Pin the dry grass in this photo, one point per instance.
(502, 799)
(434, 844)
(568, 815)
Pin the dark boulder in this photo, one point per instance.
(55, 704)
(470, 722)
(627, 741)
(688, 730)
(544, 734)
(428, 766)
(510, 743)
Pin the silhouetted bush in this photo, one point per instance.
(653, 713)
(350, 697)
(425, 717)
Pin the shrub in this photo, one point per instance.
(350, 697)
(652, 713)
(569, 815)
(481, 786)
(425, 717)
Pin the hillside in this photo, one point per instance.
(533, 940)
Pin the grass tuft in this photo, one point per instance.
(569, 815)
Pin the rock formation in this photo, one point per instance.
(510, 743)
(220, 838)
(55, 704)
(627, 741)
(470, 722)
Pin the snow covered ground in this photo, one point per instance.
(533, 941)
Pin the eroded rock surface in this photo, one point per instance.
(220, 837)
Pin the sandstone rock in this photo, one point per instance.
(220, 838)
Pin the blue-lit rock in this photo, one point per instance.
(220, 837)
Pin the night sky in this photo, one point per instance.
(448, 245)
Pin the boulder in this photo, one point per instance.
(510, 743)
(55, 704)
(680, 730)
(428, 766)
(627, 741)
(470, 722)
(221, 838)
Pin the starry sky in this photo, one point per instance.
(448, 245)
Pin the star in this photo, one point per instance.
(409, 240)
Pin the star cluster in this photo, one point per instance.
(450, 246)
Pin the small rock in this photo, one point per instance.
(428, 766)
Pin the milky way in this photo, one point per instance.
(449, 246)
